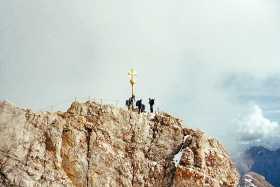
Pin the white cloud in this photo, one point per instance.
(256, 129)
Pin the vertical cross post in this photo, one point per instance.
(132, 74)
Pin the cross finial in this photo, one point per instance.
(132, 74)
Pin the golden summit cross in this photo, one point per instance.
(132, 74)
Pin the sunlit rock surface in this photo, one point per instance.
(100, 145)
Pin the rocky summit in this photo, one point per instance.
(100, 145)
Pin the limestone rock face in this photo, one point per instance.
(100, 145)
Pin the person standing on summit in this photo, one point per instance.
(151, 102)
(141, 106)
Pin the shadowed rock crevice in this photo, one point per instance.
(88, 136)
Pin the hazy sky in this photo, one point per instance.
(204, 61)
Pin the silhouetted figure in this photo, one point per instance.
(151, 103)
(139, 105)
(130, 103)
(127, 103)
(142, 108)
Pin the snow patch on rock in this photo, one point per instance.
(178, 156)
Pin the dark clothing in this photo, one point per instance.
(139, 105)
(151, 102)
(151, 109)
(142, 108)
(132, 100)
(127, 103)
(130, 103)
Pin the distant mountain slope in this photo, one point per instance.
(264, 162)
(252, 179)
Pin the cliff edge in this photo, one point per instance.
(100, 145)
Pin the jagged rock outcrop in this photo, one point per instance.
(100, 145)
